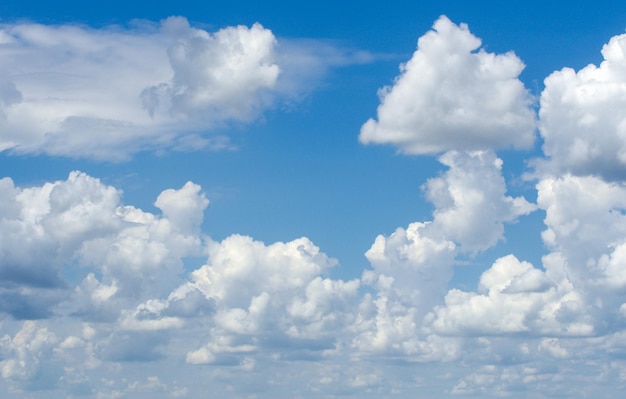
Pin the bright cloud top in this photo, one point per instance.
(581, 118)
(105, 93)
(452, 95)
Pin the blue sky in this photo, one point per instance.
(376, 200)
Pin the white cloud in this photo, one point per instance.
(106, 93)
(184, 208)
(581, 116)
(215, 77)
(116, 306)
(411, 267)
(270, 295)
(470, 200)
(579, 290)
(82, 222)
(255, 308)
(515, 298)
(585, 229)
(409, 256)
(586, 225)
(452, 95)
(25, 357)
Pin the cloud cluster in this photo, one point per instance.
(521, 316)
(122, 294)
(411, 268)
(114, 274)
(453, 95)
(98, 299)
(82, 222)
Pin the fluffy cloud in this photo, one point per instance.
(411, 267)
(96, 299)
(256, 308)
(215, 77)
(272, 295)
(581, 118)
(585, 229)
(514, 298)
(120, 269)
(25, 357)
(82, 222)
(450, 96)
(106, 93)
(470, 200)
(579, 290)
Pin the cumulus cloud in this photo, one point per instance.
(411, 267)
(579, 290)
(585, 231)
(581, 118)
(514, 297)
(470, 200)
(96, 299)
(26, 357)
(270, 296)
(107, 93)
(215, 76)
(254, 308)
(82, 222)
(453, 95)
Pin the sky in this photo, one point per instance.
(317, 200)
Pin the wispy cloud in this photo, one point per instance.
(107, 93)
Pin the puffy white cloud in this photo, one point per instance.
(470, 200)
(409, 257)
(26, 357)
(117, 306)
(106, 93)
(578, 292)
(515, 298)
(184, 208)
(217, 76)
(585, 229)
(411, 267)
(586, 225)
(82, 222)
(581, 116)
(270, 295)
(453, 95)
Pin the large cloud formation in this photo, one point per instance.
(451, 95)
(119, 301)
(99, 299)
